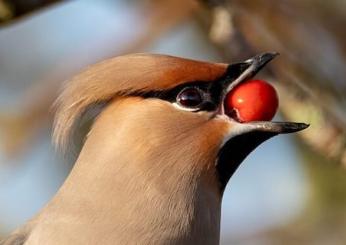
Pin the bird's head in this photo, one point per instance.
(163, 114)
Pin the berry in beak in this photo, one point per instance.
(246, 135)
(253, 100)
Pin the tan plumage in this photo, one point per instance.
(125, 75)
(147, 173)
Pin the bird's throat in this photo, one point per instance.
(121, 190)
(124, 205)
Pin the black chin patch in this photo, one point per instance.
(235, 151)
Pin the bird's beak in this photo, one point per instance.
(245, 137)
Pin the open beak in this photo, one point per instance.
(243, 71)
(245, 137)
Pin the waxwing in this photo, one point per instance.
(157, 158)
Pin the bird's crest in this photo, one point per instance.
(122, 76)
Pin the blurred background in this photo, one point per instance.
(291, 190)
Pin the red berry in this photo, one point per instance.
(253, 100)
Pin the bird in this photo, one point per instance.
(157, 158)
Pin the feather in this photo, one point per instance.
(121, 76)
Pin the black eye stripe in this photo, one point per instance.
(210, 98)
(171, 94)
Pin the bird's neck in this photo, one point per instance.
(126, 194)
(132, 205)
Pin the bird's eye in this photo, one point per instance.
(190, 97)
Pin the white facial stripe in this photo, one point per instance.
(177, 106)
